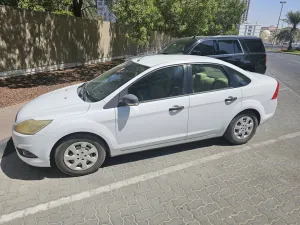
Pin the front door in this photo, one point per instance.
(213, 102)
(162, 114)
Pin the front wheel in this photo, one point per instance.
(80, 154)
(242, 128)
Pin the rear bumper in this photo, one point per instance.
(260, 69)
(38, 145)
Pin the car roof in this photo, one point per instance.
(222, 37)
(160, 59)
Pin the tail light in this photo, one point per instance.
(275, 95)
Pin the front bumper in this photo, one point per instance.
(38, 145)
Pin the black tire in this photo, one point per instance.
(60, 150)
(229, 133)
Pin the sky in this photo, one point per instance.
(266, 12)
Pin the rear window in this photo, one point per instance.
(179, 46)
(255, 45)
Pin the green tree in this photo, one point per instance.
(54, 6)
(140, 18)
(289, 34)
(84, 8)
(78, 8)
(193, 17)
(89, 9)
(13, 3)
(177, 18)
(228, 14)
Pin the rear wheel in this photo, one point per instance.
(242, 128)
(79, 155)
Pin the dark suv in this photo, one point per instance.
(245, 52)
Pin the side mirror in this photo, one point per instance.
(130, 100)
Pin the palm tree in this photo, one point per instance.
(290, 33)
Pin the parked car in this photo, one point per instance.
(245, 52)
(145, 103)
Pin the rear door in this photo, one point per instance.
(213, 101)
(231, 51)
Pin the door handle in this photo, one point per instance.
(176, 108)
(230, 99)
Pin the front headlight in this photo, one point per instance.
(31, 127)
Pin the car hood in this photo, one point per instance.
(56, 104)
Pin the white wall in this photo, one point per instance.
(249, 30)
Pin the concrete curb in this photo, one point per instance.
(290, 53)
(287, 53)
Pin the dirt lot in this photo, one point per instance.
(18, 89)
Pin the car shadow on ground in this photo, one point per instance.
(15, 168)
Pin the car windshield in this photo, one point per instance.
(179, 46)
(103, 85)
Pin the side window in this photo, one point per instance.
(229, 47)
(205, 48)
(162, 83)
(255, 45)
(208, 77)
(241, 78)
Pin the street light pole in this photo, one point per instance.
(282, 3)
(283, 21)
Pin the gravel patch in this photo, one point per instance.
(18, 89)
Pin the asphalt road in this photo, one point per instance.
(286, 68)
(207, 182)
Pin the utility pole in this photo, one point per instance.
(282, 3)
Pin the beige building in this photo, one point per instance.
(268, 34)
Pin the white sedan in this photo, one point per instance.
(145, 103)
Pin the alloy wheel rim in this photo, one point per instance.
(80, 156)
(243, 127)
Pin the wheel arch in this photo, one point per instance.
(52, 161)
(254, 111)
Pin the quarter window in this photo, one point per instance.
(163, 83)
(229, 47)
(255, 45)
(208, 77)
(205, 48)
(241, 78)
